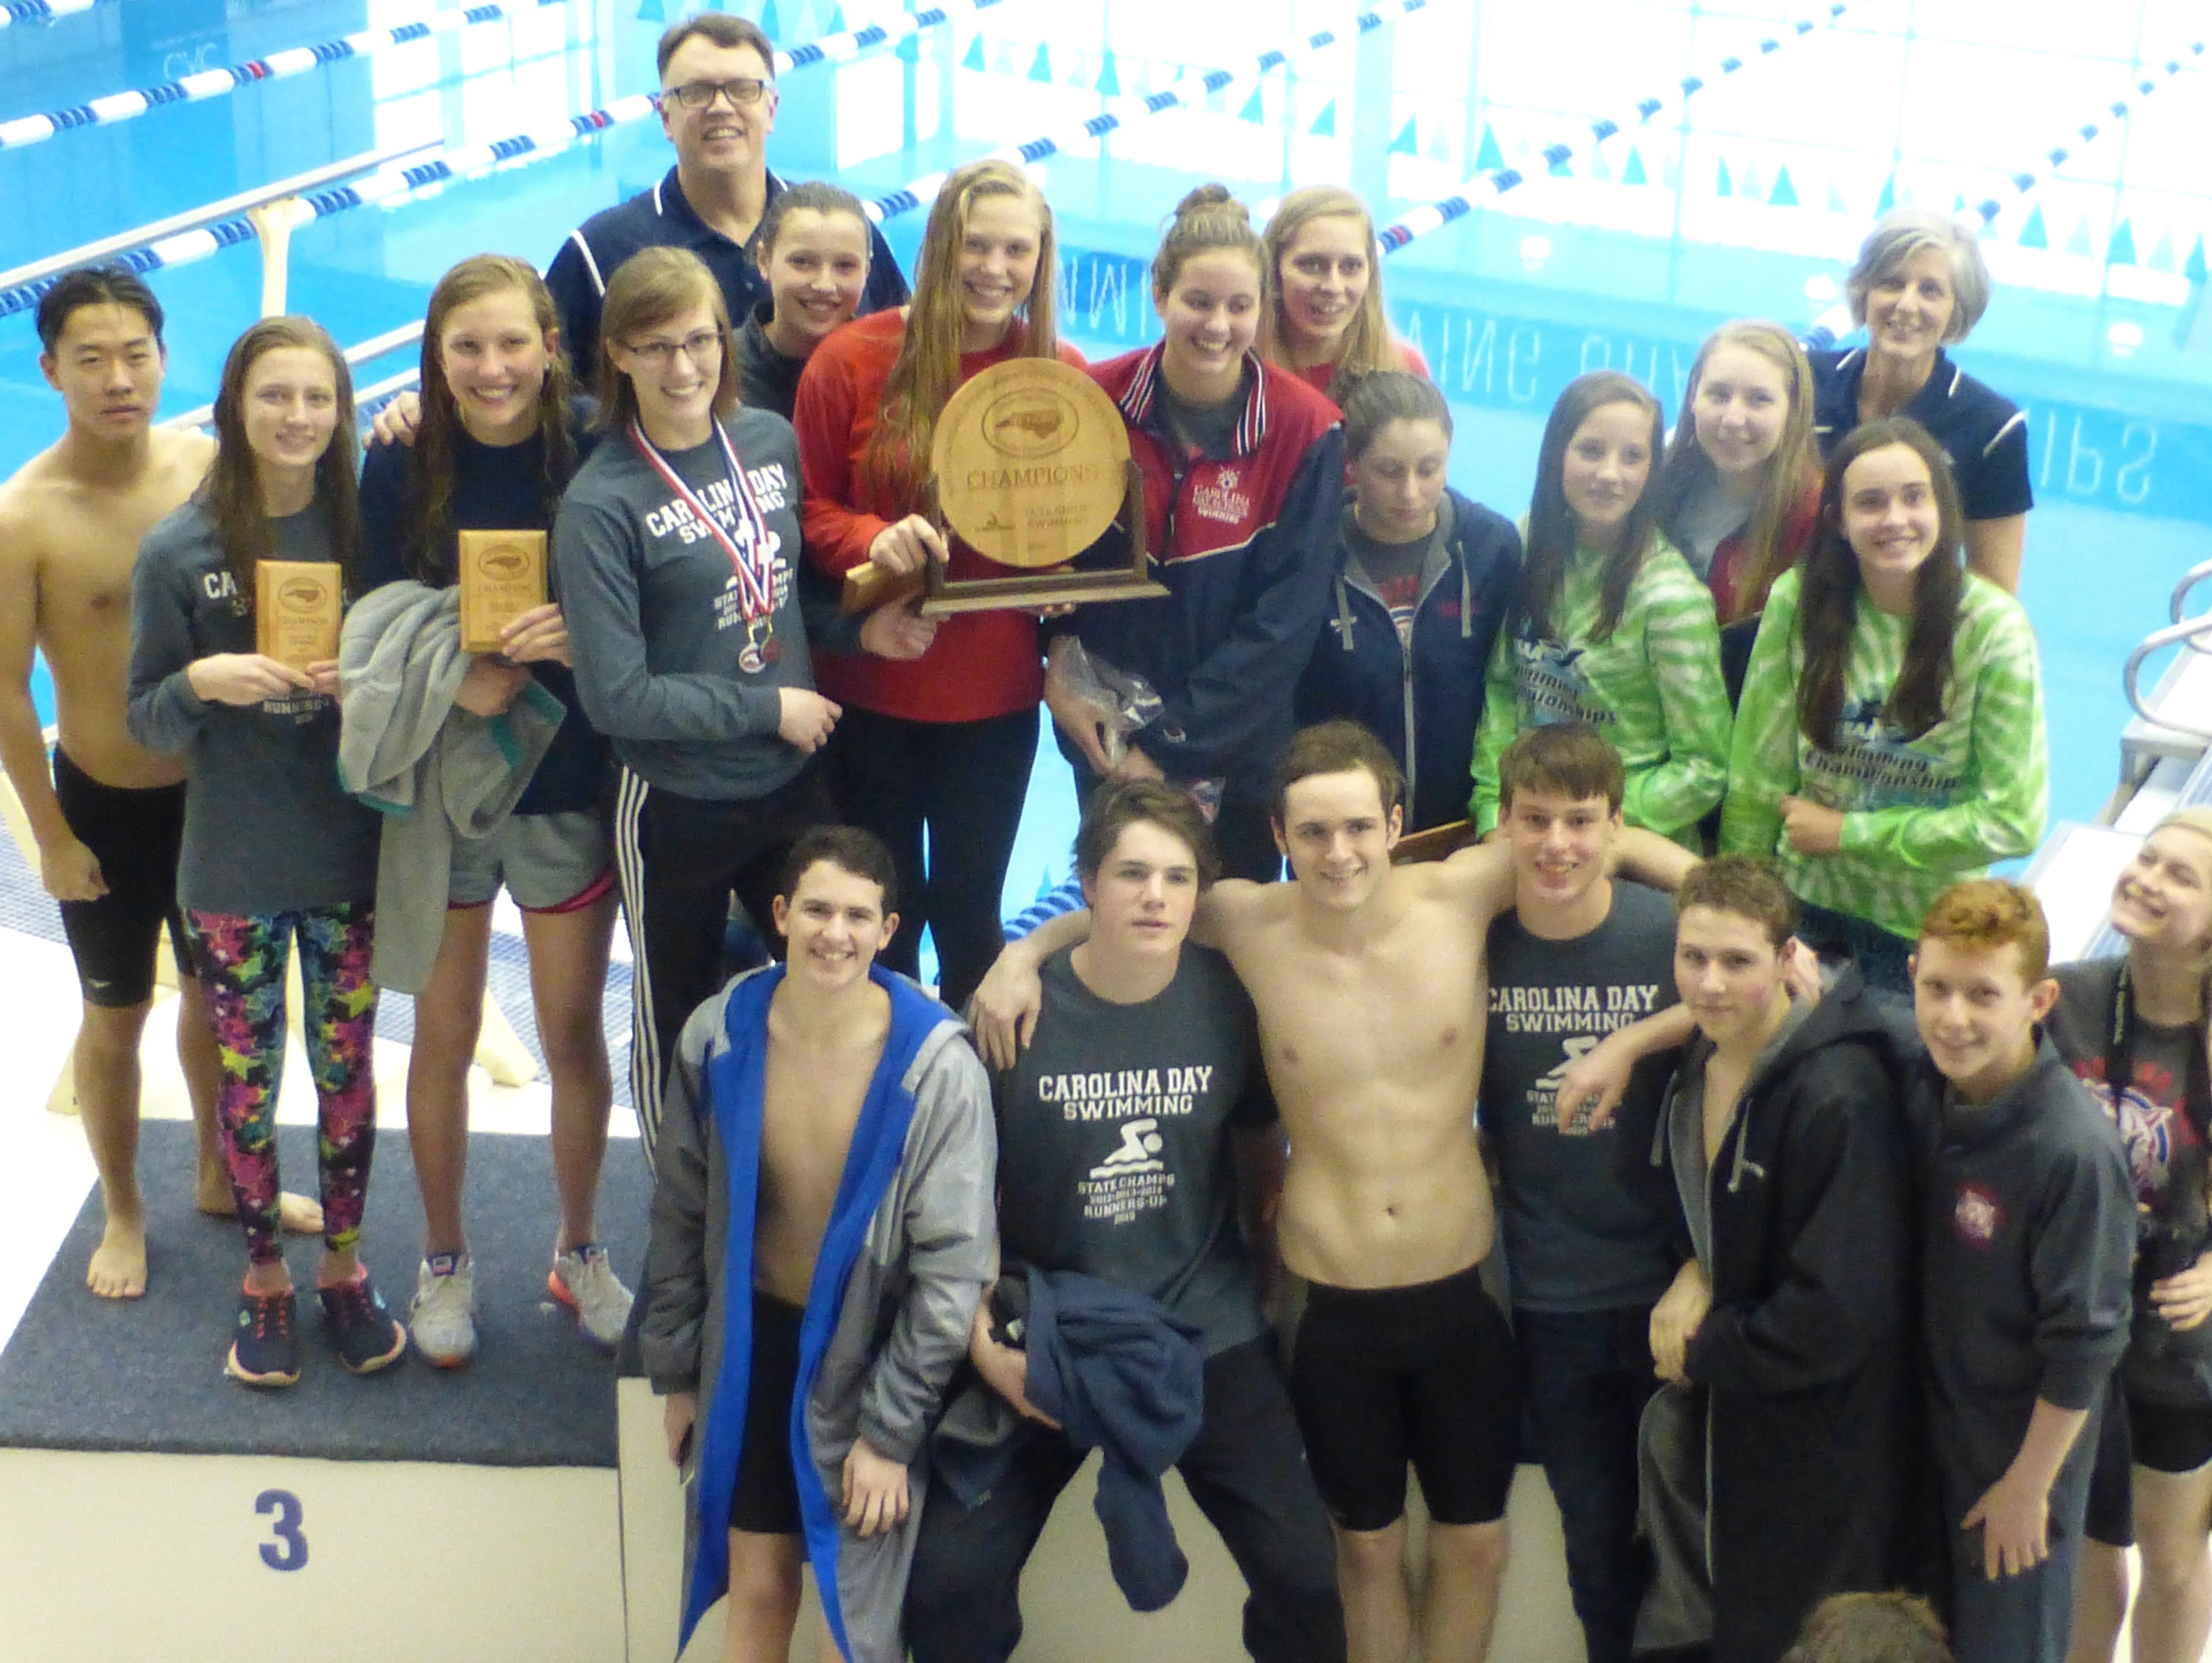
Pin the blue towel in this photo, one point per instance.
(1123, 1375)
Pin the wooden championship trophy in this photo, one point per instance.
(298, 606)
(1030, 466)
(502, 575)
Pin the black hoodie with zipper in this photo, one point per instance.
(1804, 1355)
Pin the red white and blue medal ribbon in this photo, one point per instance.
(755, 564)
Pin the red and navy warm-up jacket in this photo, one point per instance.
(1246, 545)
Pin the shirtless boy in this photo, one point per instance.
(109, 818)
(823, 1221)
(1369, 984)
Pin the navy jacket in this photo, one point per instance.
(1245, 544)
(1425, 704)
(661, 218)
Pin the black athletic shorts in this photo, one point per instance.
(766, 1501)
(1425, 1375)
(2110, 1517)
(136, 835)
(2170, 1437)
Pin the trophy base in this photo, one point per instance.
(869, 587)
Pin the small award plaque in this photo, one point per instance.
(501, 576)
(298, 605)
(1030, 466)
(1438, 843)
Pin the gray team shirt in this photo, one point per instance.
(267, 828)
(1586, 1220)
(655, 621)
(1114, 1145)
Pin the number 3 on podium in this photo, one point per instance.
(290, 1551)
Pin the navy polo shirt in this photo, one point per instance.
(661, 218)
(1983, 432)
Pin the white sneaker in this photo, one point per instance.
(443, 1318)
(586, 1284)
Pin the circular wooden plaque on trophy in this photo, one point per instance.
(1032, 461)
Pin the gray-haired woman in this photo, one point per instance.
(1920, 285)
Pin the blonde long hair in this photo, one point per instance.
(1794, 464)
(431, 465)
(231, 493)
(1367, 344)
(928, 372)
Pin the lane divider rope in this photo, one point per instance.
(1187, 93)
(391, 183)
(1480, 191)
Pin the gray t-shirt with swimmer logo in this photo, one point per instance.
(1113, 1142)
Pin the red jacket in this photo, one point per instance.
(981, 664)
(1319, 376)
(1731, 557)
(1246, 545)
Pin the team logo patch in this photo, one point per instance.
(1977, 1215)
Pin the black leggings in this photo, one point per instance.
(964, 784)
(679, 859)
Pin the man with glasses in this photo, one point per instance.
(718, 100)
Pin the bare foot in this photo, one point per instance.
(299, 1214)
(118, 1264)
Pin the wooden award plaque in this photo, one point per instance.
(1030, 466)
(298, 605)
(502, 575)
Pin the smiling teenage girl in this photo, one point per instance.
(1611, 627)
(677, 549)
(1327, 314)
(500, 437)
(942, 746)
(273, 849)
(1243, 470)
(1890, 742)
(2134, 1031)
(813, 251)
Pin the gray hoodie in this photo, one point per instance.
(903, 1322)
(436, 772)
(652, 603)
(267, 828)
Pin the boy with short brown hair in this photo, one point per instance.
(2027, 1232)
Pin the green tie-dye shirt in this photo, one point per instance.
(1919, 814)
(1653, 688)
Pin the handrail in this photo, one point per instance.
(2158, 641)
(2190, 579)
(194, 218)
(377, 346)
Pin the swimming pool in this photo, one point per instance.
(1745, 195)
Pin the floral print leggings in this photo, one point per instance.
(242, 960)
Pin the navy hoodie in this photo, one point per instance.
(2027, 1231)
(1425, 703)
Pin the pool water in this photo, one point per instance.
(1746, 196)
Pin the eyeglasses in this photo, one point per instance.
(700, 95)
(703, 348)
